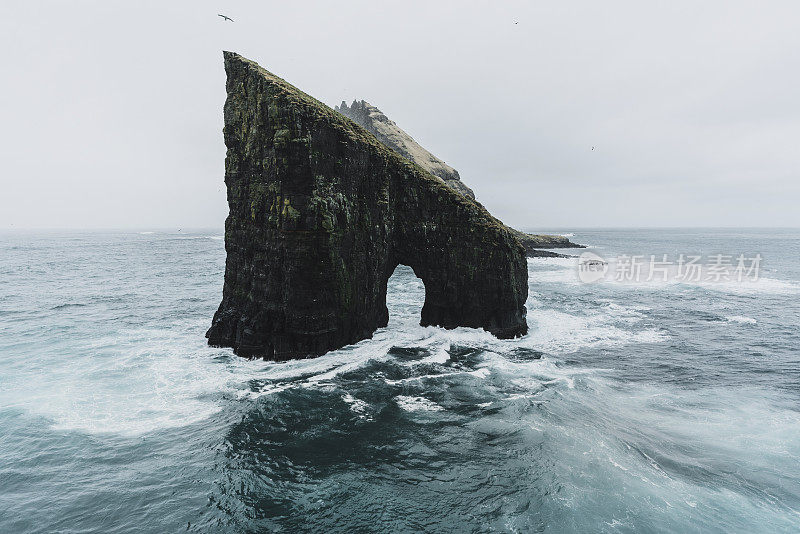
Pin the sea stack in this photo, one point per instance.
(321, 213)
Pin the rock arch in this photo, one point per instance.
(321, 214)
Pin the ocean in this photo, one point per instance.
(632, 405)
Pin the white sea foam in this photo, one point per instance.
(439, 356)
(556, 332)
(532, 376)
(357, 406)
(131, 383)
(740, 319)
(149, 395)
(763, 285)
(417, 404)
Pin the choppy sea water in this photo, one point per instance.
(649, 407)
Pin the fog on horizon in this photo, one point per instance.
(112, 112)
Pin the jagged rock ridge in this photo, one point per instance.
(391, 135)
(321, 213)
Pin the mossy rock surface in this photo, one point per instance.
(321, 213)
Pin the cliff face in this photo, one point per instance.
(391, 135)
(321, 213)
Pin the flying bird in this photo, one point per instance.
(225, 17)
(592, 148)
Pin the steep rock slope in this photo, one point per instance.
(391, 135)
(375, 122)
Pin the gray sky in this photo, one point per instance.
(112, 111)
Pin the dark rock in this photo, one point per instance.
(534, 243)
(321, 213)
(378, 124)
(390, 134)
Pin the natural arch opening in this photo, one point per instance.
(405, 296)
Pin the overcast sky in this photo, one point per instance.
(112, 111)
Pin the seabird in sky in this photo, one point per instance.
(226, 18)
